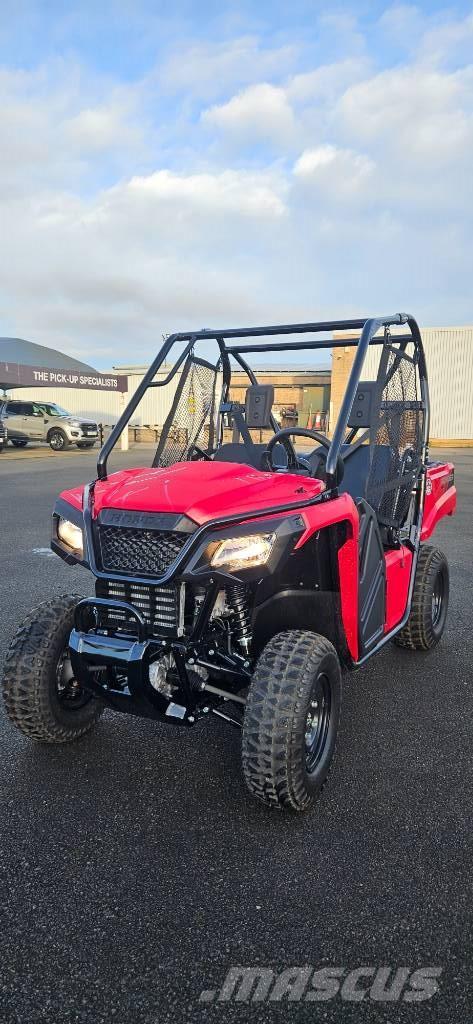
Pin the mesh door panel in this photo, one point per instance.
(396, 437)
(191, 420)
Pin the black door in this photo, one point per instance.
(372, 580)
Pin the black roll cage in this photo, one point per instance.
(368, 328)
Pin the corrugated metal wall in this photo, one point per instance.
(449, 353)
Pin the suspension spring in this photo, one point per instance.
(238, 600)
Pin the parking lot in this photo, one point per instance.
(136, 870)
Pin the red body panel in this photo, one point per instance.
(440, 497)
(74, 497)
(348, 571)
(205, 491)
(208, 491)
(342, 509)
(398, 574)
(201, 490)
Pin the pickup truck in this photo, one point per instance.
(45, 421)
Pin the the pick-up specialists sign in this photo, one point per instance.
(19, 375)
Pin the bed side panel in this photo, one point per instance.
(440, 497)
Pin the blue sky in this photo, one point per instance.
(181, 165)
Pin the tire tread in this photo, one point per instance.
(29, 659)
(418, 633)
(276, 698)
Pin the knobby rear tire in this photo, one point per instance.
(423, 630)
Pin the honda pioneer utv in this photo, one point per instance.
(238, 574)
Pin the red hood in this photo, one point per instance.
(201, 490)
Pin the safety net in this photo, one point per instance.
(193, 414)
(396, 433)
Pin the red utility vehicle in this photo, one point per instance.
(235, 577)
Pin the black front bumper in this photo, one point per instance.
(97, 659)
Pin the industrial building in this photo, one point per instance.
(301, 395)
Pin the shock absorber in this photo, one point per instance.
(238, 600)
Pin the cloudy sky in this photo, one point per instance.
(174, 165)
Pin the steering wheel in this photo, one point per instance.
(283, 437)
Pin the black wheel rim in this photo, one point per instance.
(438, 597)
(317, 721)
(57, 441)
(69, 692)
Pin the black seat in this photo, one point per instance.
(356, 471)
(249, 455)
(356, 479)
(356, 468)
(256, 414)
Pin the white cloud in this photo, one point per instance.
(326, 82)
(230, 192)
(402, 23)
(56, 126)
(206, 70)
(414, 126)
(257, 114)
(342, 172)
(102, 128)
(448, 42)
(314, 190)
(425, 112)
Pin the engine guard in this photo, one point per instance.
(92, 653)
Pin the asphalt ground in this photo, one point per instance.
(135, 869)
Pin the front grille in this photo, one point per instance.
(88, 428)
(139, 552)
(161, 607)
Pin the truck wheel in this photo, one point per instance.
(58, 440)
(291, 720)
(429, 608)
(41, 696)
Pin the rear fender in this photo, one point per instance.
(440, 497)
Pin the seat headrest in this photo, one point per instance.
(258, 405)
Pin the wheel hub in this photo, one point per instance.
(437, 600)
(317, 721)
(69, 690)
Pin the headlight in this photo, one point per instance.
(73, 423)
(70, 535)
(243, 552)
